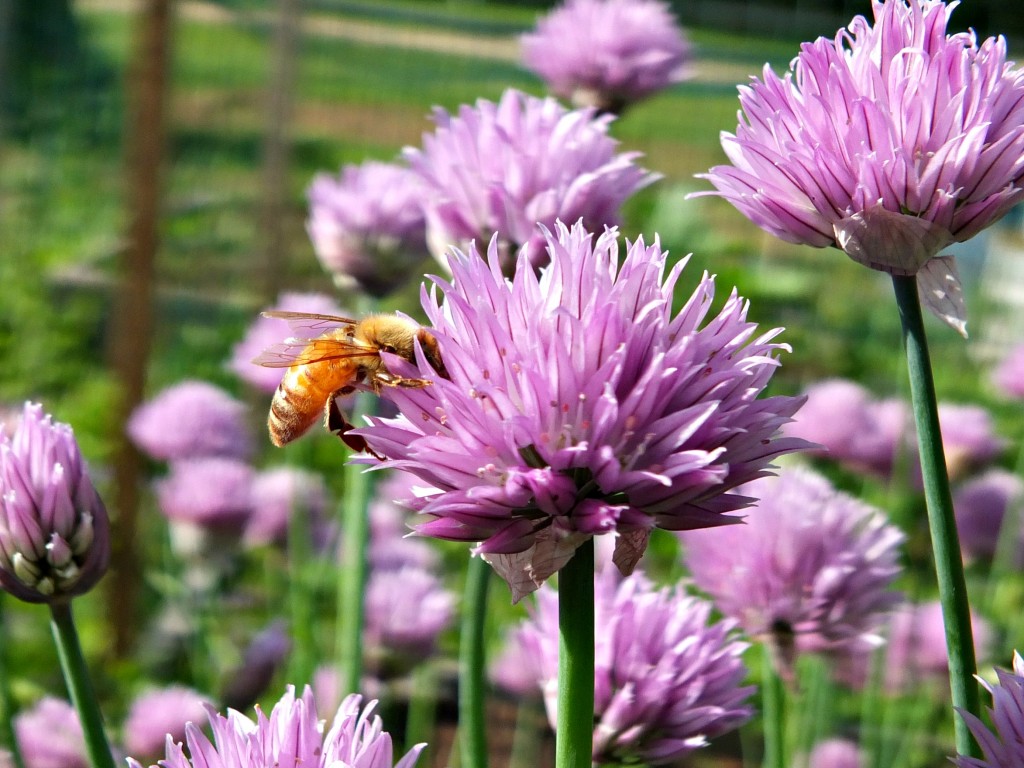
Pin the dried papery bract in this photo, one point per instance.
(54, 531)
(889, 142)
(578, 404)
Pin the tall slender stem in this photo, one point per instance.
(76, 677)
(574, 732)
(773, 704)
(941, 523)
(355, 534)
(300, 596)
(472, 665)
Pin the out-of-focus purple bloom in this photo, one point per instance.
(158, 714)
(390, 545)
(213, 493)
(191, 420)
(50, 735)
(266, 331)
(889, 142)
(406, 611)
(367, 225)
(578, 404)
(1003, 747)
(835, 753)
(810, 571)
(915, 649)
(666, 680)
(291, 736)
(981, 505)
(516, 669)
(863, 434)
(279, 493)
(1008, 376)
(607, 53)
(54, 531)
(502, 168)
(261, 660)
(968, 437)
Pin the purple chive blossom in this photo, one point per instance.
(212, 493)
(291, 736)
(50, 735)
(516, 669)
(54, 531)
(889, 142)
(915, 650)
(607, 53)
(1008, 377)
(1002, 747)
(835, 753)
(191, 420)
(390, 546)
(968, 437)
(266, 331)
(262, 658)
(666, 679)
(578, 404)
(367, 225)
(500, 168)
(276, 495)
(158, 714)
(406, 611)
(981, 505)
(810, 571)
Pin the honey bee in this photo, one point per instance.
(330, 357)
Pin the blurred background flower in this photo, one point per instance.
(500, 168)
(809, 571)
(1008, 376)
(607, 54)
(191, 420)
(981, 505)
(667, 678)
(835, 753)
(276, 495)
(367, 226)
(158, 713)
(50, 735)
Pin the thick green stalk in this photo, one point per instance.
(76, 677)
(472, 667)
(941, 523)
(574, 732)
(355, 533)
(773, 705)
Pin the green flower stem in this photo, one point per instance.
(472, 667)
(355, 533)
(942, 525)
(76, 676)
(773, 704)
(7, 738)
(422, 718)
(574, 733)
(300, 597)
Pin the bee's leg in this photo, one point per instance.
(391, 380)
(338, 424)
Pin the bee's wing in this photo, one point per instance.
(304, 351)
(309, 325)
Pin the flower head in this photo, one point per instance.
(1002, 747)
(1008, 376)
(835, 753)
(213, 493)
(968, 437)
(292, 736)
(276, 495)
(810, 570)
(54, 532)
(607, 53)
(577, 404)
(262, 658)
(500, 168)
(981, 505)
(889, 142)
(406, 611)
(266, 331)
(367, 225)
(158, 714)
(50, 735)
(191, 420)
(667, 679)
